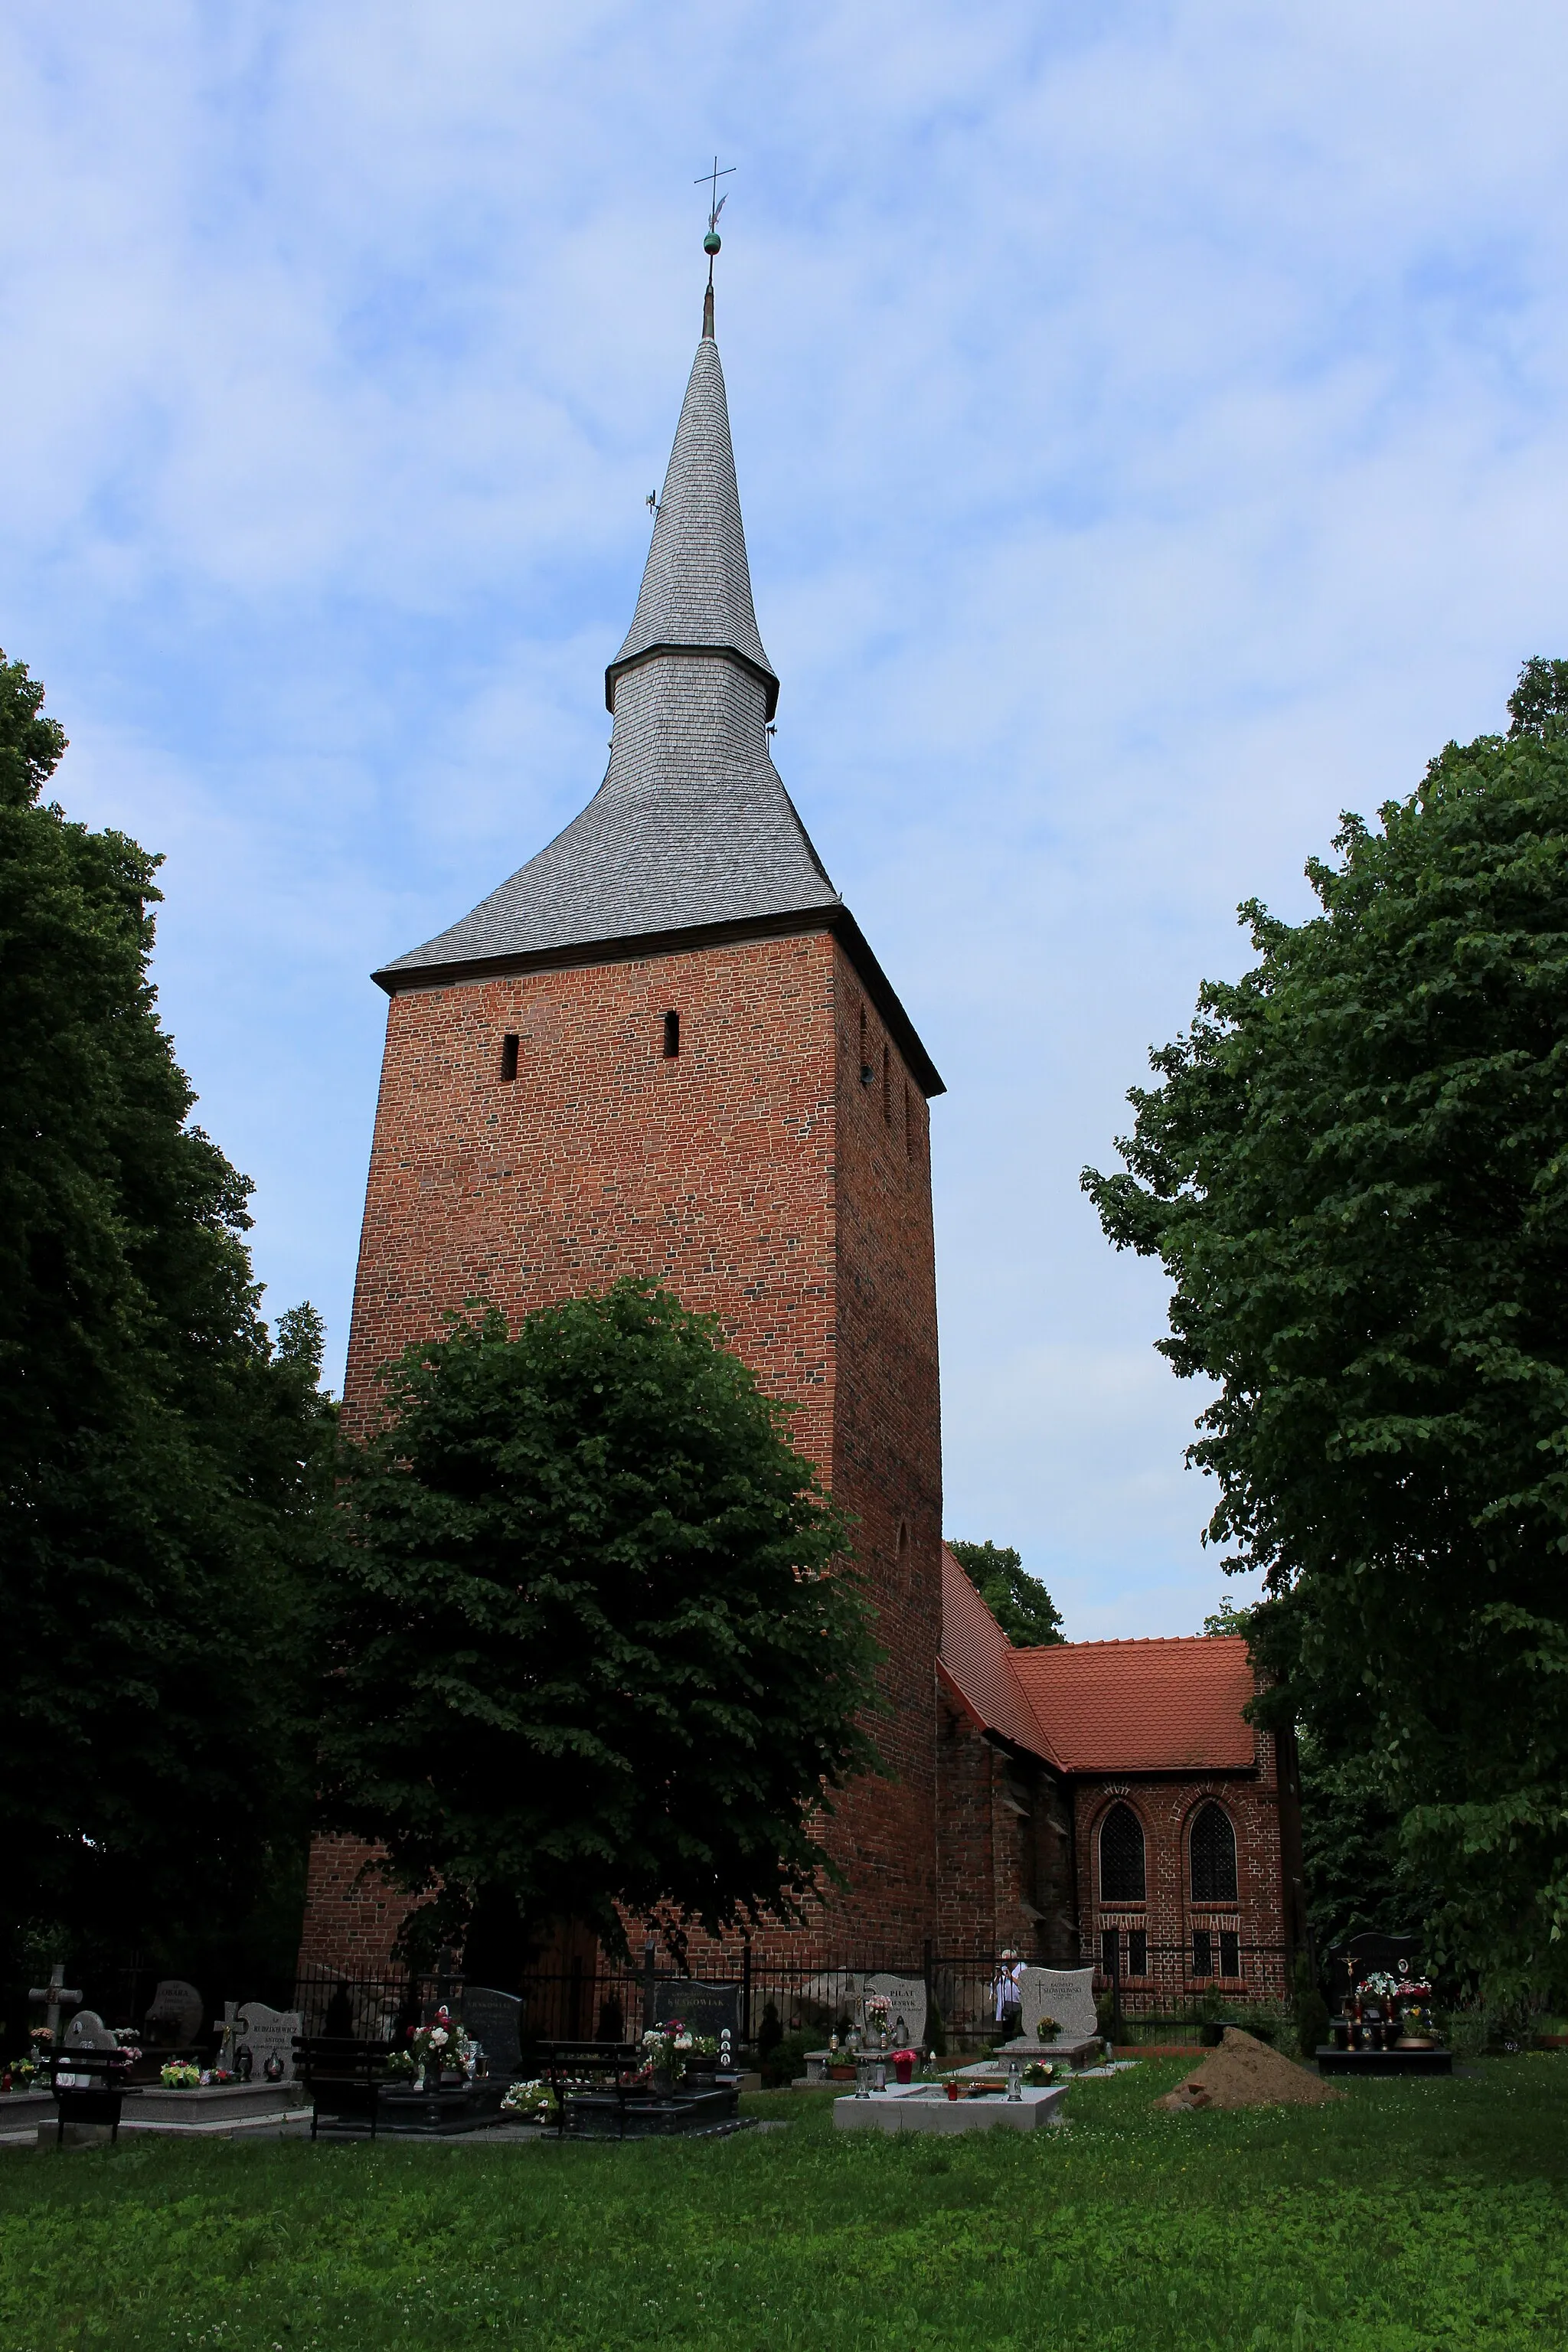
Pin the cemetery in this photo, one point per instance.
(1365, 2223)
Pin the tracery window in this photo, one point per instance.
(1121, 1867)
(1213, 1855)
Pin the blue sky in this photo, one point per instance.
(1152, 437)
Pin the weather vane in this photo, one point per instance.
(716, 203)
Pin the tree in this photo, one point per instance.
(1018, 1602)
(1355, 1170)
(161, 1455)
(594, 1640)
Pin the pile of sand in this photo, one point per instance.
(1244, 2072)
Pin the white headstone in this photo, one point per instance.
(1066, 1994)
(87, 2030)
(266, 2033)
(907, 2008)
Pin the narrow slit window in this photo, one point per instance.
(1137, 1951)
(887, 1091)
(1229, 1952)
(671, 1035)
(1202, 1952)
(866, 1073)
(509, 1057)
(908, 1125)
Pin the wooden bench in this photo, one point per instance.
(567, 2063)
(343, 2077)
(99, 2099)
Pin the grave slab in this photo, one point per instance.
(1064, 2051)
(926, 2107)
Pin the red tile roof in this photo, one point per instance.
(979, 1661)
(1144, 1706)
(1100, 1706)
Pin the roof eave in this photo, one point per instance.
(628, 948)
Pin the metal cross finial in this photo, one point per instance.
(716, 202)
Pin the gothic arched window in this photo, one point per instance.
(1213, 1856)
(1120, 1856)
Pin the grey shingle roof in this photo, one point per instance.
(692, 824)
(697, 587)
(692, 827)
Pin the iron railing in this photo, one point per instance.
(1172, 1995)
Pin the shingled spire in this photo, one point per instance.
(691, 832)
(697, 584)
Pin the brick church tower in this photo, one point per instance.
(665, 1047)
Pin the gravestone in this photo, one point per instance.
(174, 2019)
(269, 2036)
(491, 2017)
(907, 2015)
(1396, 1955)
(57, 1995)
(87, 2030)
(702, 2007)
(1066, 1994)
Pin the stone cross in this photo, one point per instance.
(231, 2025)
(58, 1994)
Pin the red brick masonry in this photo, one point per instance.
(765, 1179)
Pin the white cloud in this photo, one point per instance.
(1151, 429)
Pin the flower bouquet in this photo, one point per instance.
(878, 2010)
(1047, 2030)
(1417, 2027)
(529, 2102)
(1040, 2071)
(179, 2074)
(904, 2065)
(669, 2049)
(441, 2047)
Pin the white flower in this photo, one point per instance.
(439, 2036)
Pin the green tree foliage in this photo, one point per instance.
(160, 1457)
(1018, 1602)
(594, 1640)
(1355, 1170)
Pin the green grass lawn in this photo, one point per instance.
(1414, 2215)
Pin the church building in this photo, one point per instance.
(664, 1046)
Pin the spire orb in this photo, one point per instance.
(712, 242)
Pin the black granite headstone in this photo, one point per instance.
(703, 2008)
(1395, 1956)
(491, 2017)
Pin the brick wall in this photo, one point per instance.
(1262, 1916)
(351, 1912)
(758, 1176)
(1005, 1847)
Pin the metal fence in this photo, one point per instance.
(1173, 1993)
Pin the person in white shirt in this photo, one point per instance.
(1009, 1994)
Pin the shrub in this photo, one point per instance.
(784, 2061)
(1467, 2028)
